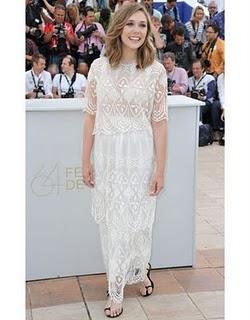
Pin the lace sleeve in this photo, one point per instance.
(90, 93)
(160, 111)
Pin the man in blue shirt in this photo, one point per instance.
(170, 9)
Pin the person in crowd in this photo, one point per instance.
(72, 15)
(177, 78)
(31, 49)
(50, 5)
(196, 30)
(90, 37)
(69, 83)
(38, 82)
(219, 20)
(82, 69)
(212, 9)
(53, 70)
(202, 86)
(104, 17)
(159, 38)
(182, 49)
(59, 35)
(102, 4)
(221, 96)
(125, 126)
(213, 51)
(169, 25)
(152, 12)
(121, 3)
(118, 5)
(170, 8)
(34, 22)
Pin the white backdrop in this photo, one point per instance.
(62, 237)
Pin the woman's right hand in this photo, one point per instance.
(87, 174)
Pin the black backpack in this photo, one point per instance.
(205, 135)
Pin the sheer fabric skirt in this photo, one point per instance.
(123, 167)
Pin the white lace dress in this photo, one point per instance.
(125, 100)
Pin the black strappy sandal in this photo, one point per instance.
(151, 283)
(109, 316)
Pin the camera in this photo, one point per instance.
(195, 93)
(206, 63)
(40, 93)
(60, 31)
(170, 85)
(68, 94)
(35, 31)
(87, 32)
(90, 53)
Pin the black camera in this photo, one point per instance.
(35, 31)
(170, 85)
(87, 32)
(60, 31)
(206, 63)
(68, 94)
(195, 93)
(39, 90)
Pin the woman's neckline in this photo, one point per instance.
(127, 64)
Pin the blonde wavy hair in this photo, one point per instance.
(73, 7)
(195, 10)
(113, 42)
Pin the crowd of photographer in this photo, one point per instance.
(67, 36)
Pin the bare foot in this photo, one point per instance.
(146, 283)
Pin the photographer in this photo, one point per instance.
(89, 38)
(38, 82)
(177, 77)
(34, 22)
(104, 17)
(169, 25)
(59, 35)
(213, 51)
(202, 86)
(183, 49)
(68, 84)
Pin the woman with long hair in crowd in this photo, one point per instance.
(72, 15)
(124, 150)
(196, 29)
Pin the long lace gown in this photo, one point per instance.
(125, 100)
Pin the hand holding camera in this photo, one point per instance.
(68, 94)
(39, 90)
(198, 94)
(87, 32)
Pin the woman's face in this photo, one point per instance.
(135, 31)
(72, 14)
(199, 14)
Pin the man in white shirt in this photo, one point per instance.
(69, 84)
(38, 82)
(202, 86)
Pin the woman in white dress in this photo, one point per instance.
(124, 149)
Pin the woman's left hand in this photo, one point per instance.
(157, 184)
